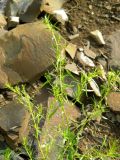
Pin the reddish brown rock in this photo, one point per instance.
(25, 53)
(58, 118)
(63, 115)
(113, 101)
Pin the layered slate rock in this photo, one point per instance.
(14, 120)
(113, 43)
(25, 53)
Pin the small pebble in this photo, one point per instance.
(90, 7)
(81, 49)
(73, 36)
(75, 30)
(79, 26)
(108, 7)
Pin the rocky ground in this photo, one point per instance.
(60, 79)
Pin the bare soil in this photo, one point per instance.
(90, 15)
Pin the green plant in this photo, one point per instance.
(58, 86)
(108, 150)
(69, 151)
(28, 148)
(35, 112)
(112, 83)
(7, 154)
(97, 110)
(56, 79)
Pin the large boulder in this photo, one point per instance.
(25, 53)
(113, 43)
